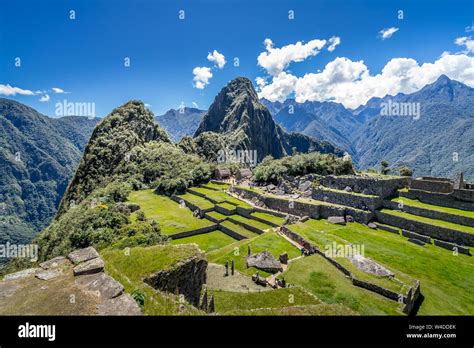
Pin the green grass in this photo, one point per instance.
(269, 217)
(446, 279)
(418, 204)
(207, 241)
(227, 206)
(270, 241)
(239, 229)
(320, 233)
(217, 215)
(220, 196)
(251, 222)
(227, 302)
(434, 222)
(220, 187)
(172, 217)
(198, 201)
(130, 269)
(317, 275)
(306, 310)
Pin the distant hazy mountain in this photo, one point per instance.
(237, 114)
(38, 156)
(181, 122)
(428, 144)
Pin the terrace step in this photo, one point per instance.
(457, 216)
(350, 199)
(250, 224)
(442, 230)
(236, 231)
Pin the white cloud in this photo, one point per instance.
(195, 105)
(282, 85)
(275, 60)
(12, 91)
(333, 42)
(201, 76)
(469, 28)
(217, 58)
(58, 90)
(387, 33)
(466, 41)
(147, 105)
(44, 98)
(350, 83)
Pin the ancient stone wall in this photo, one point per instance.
(368, 185)
(194, 232)
(230, 232)
(247, 226)
(432, 214)
(442, 199)
(347, 198)
(186, 278)
(432, 186)
(464, 195)
(442, 233)
(452, 247)
(191, 206)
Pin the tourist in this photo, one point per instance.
(249, 250)
(232, 267)
(226, 268)
(283, 283)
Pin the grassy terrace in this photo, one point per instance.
(198, 201)
(220, 196)
(418, 204)
(216, 186)
(439, 223)
(269, 217)
(239, 229)
(270, 241)
(446, 279)
(227, 206)
(319, 232)
(130, 269)
(217, 215)
(172, 217)
(251, 222)
(207, 241)
(235, 302)
(318, 276)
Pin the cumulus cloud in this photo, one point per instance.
(466, 41)
(275, 60)
(469, 28)
(217, 58)
(333, 42)
(44, 98)
(387, 33)
(351, 84)
(202, 75)
(12, 91)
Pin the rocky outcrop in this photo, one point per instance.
(186, 278)
(265, 262)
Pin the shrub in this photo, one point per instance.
(405, 171)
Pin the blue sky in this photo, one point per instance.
(85, 56)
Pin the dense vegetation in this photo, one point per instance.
(38, 156)
(272, 170)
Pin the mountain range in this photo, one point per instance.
(38, 156)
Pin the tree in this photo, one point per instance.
(384, 167)
(405, 171)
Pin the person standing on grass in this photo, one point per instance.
(232, 267)
(227, 268)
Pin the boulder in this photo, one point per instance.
(92, 266)
(48, 274)
(338, 220)
(369, 266)
(284, 258)
(105, 286)
(265, 262)
(53, 263)
(259, 280)
(372, 225)
(133, 207)
(121, 305)
(21, 274)
(349, 218)
(348, 189)
(304, 186)
(83, 255)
